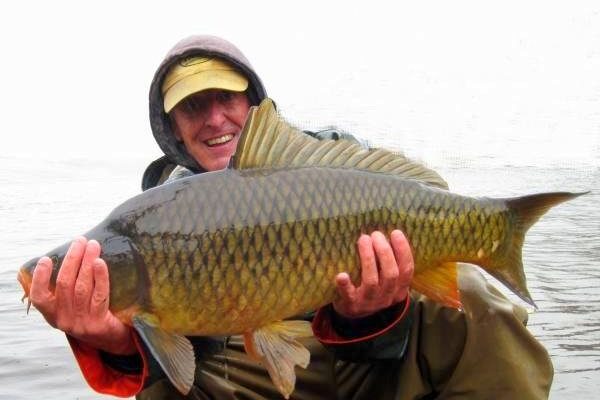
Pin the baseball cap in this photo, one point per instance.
(195, 74)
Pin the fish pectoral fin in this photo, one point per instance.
(277, 348)
(439, 283)
(173, 352)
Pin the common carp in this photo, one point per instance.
(242, 250)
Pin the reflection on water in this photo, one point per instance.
(43, 204)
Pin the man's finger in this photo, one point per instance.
(345, 303)
(100, 300)
(344, 286)
(84, 285)
(388, 268)
(368, 266)
(67, 275)
(39, 294)
(404, 257)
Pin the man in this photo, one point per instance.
(372, 342)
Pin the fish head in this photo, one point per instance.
(125, 265)
(25, 274)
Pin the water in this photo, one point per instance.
(45, 202)
(561, 256)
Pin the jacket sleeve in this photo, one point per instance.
(383, 335)
(121, 376)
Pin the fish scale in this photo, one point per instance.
(278, 250)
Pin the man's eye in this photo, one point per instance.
(193, 105)
(225, 97)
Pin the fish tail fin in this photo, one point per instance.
(527, 210)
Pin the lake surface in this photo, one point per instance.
(45, 202)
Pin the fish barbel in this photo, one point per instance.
(241, 250)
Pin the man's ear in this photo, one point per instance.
(174, 128)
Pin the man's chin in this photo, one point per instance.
(216, 164)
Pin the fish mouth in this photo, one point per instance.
(24, 279)
(220, 140)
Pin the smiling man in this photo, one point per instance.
(207, 104)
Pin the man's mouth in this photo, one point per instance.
(219, 140)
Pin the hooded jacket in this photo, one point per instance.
(417, 349)
(195, 45)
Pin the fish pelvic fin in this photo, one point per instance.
(507, 267)
(439, 283)
(173, 352)
(277, 348)
(268, 141)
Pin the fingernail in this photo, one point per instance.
(44, 260)
(343, 276)
(397, 232)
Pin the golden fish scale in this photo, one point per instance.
(252, 247)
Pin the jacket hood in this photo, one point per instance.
(199, 45)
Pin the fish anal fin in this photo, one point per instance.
(439, 283)
(277, 348)
(173, 352)
(250, 347)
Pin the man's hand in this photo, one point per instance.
(386, 273)
(79, 305)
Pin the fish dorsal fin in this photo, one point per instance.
(268, 141)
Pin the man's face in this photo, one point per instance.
(209, 124)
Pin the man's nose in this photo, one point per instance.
(216, 114)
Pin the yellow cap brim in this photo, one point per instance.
(215, 79)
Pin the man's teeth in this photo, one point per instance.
(219, 140)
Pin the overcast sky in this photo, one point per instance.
(448, 79)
